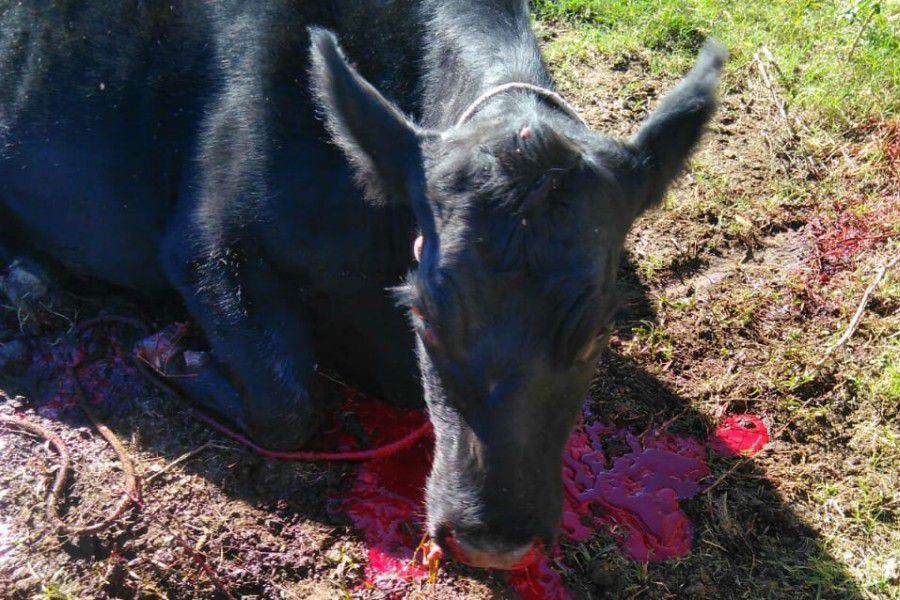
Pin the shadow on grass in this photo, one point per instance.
(748, 542)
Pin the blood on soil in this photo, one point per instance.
(740, 434)
(99, 361)
(635, 494)
(385, 501)
(856, 225)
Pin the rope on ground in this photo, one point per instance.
(65, 458)
(131, 495)
(354, 455)
(132, 492)
(389, 449)
(56, 497)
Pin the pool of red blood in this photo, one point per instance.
(385, 500)
(639, 492)
(636, 495)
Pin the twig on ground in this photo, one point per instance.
(767, 81)
(848, 333)
(727, 474)
(861, 31)
(774, 63)
(781, 105)
(132, 492)
(662, 426)
(184, 457)
(65, 460)
(857, 316)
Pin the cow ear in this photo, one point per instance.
(665, 140)
(382, 145)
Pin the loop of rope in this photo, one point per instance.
(158, 379)
(384, 451)
(518, 85)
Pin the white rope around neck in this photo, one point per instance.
(517, 85)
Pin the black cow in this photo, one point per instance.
(230, 152)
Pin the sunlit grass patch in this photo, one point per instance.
(839, 59)
(886, 386)
(59, 590)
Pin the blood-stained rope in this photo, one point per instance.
(389, 449)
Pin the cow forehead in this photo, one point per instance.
(561, 241)
(496, 290)
(498, 149)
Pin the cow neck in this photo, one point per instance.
(472, 48)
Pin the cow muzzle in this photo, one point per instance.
(485, 553)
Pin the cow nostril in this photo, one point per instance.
(491, 554)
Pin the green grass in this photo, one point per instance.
(886, 386)
(654, 339)
(58, 590)
(810, 40)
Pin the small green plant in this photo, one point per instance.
(344, 568)
(886, 386)
(825, 491)
(655, 339)
(59, 590)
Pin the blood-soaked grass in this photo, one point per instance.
(851, 227)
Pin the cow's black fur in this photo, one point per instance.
(194, 146)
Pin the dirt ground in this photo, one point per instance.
(733, 295)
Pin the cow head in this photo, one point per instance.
(522, 215)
